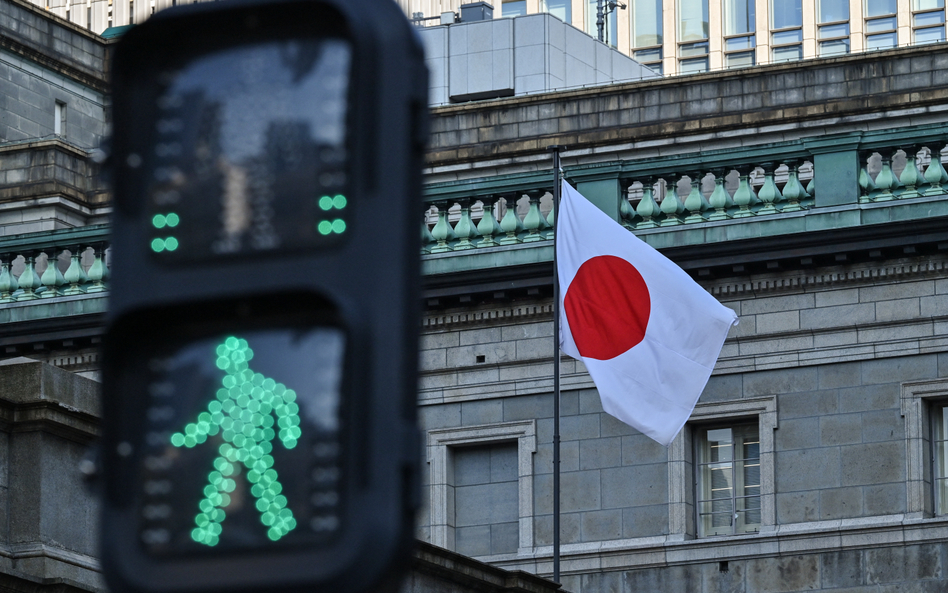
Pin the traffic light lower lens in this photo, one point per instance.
(234, 424)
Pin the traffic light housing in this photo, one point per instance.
(260, 355)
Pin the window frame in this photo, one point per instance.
(682, 516)
(440, 458)
(917, 400)
(736, 477)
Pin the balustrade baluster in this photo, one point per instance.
(768, 193)
(442, 231)
(8, 283)
(696, 204)
(52, 278)
(671, 204)
(910, 175)
(720, 200)
(426, 237)
(647, 209)
(488, 227)
(626, 213)
(465, 229)
(98, 272)
(533, 222)
(75, 276)
(793, 191)
(29, 280)
(935, 175)
(744, 197)
(511, 224)
(885, 181)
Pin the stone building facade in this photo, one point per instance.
(809, 197)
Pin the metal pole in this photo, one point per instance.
(600, 23)
(557, 176)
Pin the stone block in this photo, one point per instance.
(839, 375)
(575, 428)
(798, 507)
(604, 582)
(485, 504)
(634, 485)
(778, 304)
(478, 376)
(882, 425)
(534, 348)
(600, 453)
(569, 457)
(841, 569)
(479, 336)
(814, 403)
(439, 416)
(646, 521)
(526, 407)
(432, 360)
(601, 525)
(840, 503)
(731, 581)
(933, 306)
(580, 491)
(472, 541)
(505, 538)
(611, 427)
(808, 469)
(590, 402)
(784, 574)
(869, 397)
(523, 331)
(781, 381)
(896, 290)
(840, 429)
(884, 499)
(482, 412)
(504, 462)
(570, 529)
(472, 465)
(777, 322)
(893, 370)
(884, 565)
(798, 433)
(838, 316)
(897, 309)
(638, 449)
(872, 463)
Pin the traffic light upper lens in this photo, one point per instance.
(251, 150)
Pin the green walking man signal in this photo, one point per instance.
(259, 365)
(244, 415)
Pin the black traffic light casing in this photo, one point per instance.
(260, 356)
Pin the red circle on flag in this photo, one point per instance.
(607, 306)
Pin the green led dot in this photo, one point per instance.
(171, 243)
(172, 219)
(159, 221)
(325, 227)
(158, 245)
(338, 226)
(339, 202)
(177, 439)
(325, 203)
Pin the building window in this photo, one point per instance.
(739, 27)
(728, 480)
(471, 467)
(513, 8)
(561, 9)
(692, 36)
(833, 29)
(721, 466)
(647, 35)
(939, 414)
(59, 118)
(610, 26)
(928, 21)
(786, 35)
(881, 23)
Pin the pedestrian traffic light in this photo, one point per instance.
(259, 367)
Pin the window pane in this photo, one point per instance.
(514, 8)
(931, 35)
(693, 19)
(648, 55)
(646, 23)
(794, 36)
(689, 50)
(834, 10)
(740, 60)
(927, 4)
(790, 52)
(929, 18)
(558, 8)
(739, 17)
(729, 480)
(834, 48)
(736, 43)
(883, 41)
(880, 7)
(880, 25)
(786, 13)
(828, 31)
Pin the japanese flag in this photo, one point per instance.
(648, 334)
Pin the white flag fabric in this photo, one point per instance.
(648, 334)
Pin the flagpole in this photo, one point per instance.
(557, 190)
